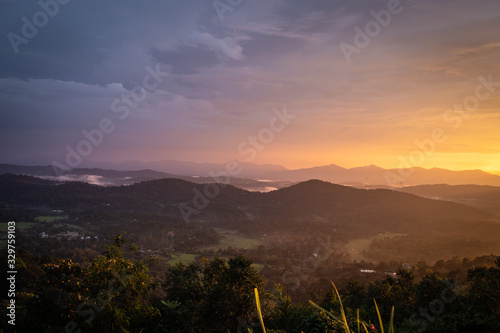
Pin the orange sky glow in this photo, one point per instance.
(294, 83)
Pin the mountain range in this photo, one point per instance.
(109, 177)
(315, 202)
(261, 177)
(421, 228)
(374, 175)
(484, 197)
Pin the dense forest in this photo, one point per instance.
(116, 293)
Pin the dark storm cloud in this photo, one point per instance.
(86, 36)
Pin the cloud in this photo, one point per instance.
(186, 59)
(476, 50)
(227, 47)
(227, 75)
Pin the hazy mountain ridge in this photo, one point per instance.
(261, 177)
(483, 197)
(374, 175)
(111, 177)
(312, 202)
(188, 168)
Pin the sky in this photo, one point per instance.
(289, 82)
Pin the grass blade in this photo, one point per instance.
(357, 317)
(379, 317)
(362, 323)
(391, 323)
(364, 326)
(257, 303)
(344, 319)
(326, 311)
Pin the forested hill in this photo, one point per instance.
(345, 203)
(309, 205)
(484, 197)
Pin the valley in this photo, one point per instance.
(274, 229)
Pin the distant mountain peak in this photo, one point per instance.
(367, 167)
(371, 175)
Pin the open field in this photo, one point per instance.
(258, 267)
(356, 247)
(51, 218)
(234, 239)
(185, 258)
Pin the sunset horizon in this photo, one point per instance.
(392, 83)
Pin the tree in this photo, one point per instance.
(108, 296)
(114, 293)
(54, 298)
(485, 292)
(213, 296)
(396, 291)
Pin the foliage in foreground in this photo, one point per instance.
(116, 294)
